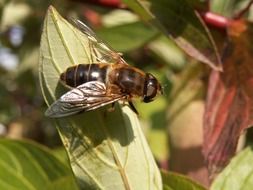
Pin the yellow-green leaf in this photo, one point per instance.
(176, 181)
(238, 174)
(28, 166)
(107, 150)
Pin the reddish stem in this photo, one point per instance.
(105, 3)
(215, 20)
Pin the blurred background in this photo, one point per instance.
(172, 123)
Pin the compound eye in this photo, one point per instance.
(150, 89)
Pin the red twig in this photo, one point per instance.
(215, 20)
(243, 11)
(105, 3)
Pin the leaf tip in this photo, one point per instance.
(215, 64)
(52, 11)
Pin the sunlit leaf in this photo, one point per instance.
(181, 23)
(238, 174)
(179, 182)
(24, 166)
(107, 150)
(230, 98)
(119, 17)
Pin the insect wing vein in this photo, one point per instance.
(100, 51)
(86, 97)
(84, 91)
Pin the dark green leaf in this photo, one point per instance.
(66, 183)
(181, 23)
(199, 4)
(61, 154)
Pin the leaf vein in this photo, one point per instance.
(85, 170)
(78, 133)
(12, 157)
(63, 40)
(49, 48)
(116, 157)
(31, 159)
(18, 175)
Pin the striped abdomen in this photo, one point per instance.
(82, 73)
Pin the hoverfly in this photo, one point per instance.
(107, 80)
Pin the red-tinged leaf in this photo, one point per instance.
(229, 107)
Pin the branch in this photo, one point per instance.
(104, 3)
(243, 11)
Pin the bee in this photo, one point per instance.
(104, 81)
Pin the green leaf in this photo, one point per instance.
(25, 165)
(181, 23)
(229, 8)
(224, 7)
(128, 37)
(66, 183)
(61, 154)
(199, 4)
(176, 181)
(107, 150)
(238, 174)
(138, 8)
(166, 51)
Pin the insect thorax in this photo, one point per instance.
(129, 79)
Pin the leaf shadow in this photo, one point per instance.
(91, 129)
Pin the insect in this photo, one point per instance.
(104, 81)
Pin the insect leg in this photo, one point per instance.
(132, 107)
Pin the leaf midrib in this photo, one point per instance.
(116, 157)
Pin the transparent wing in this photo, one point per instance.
(86, 97)
(100, 52)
